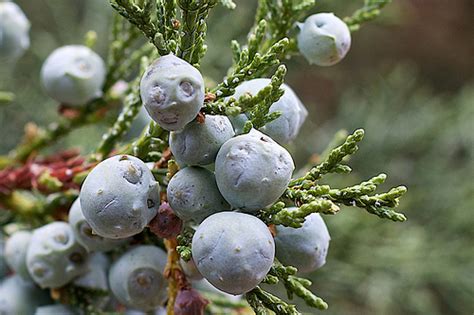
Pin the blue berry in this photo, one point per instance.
(193, 194)
(306, 247)
(136, 278)
(56, 309)
(73, 75)
(172, 91)
(285, 128)
(198, 143)
(96, 278)
(324, 39)
(14, 28)
(54, 257)
(233, 251)
(18, 297)
(16, 248)
(84, 233)
(252, 171)
(119, 197)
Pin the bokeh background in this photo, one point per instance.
(408, 80)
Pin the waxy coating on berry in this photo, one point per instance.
(84, 233)
(199, 142)
(136, 278)
(306, 247)
(73, 75)
(119, 197)
(54, 257)
(252, 171)
(56, 309)
(193, 194)
(286, 127)
(18, 296)
(14, 28)
(172, 91)
(324, 39)
(96, 278)
(233, 251)
(16, 248)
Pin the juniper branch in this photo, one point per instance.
(368, 12)
(194, 14)
(6, 97)
(296, 285)
(125, 118)
(150, 145)
(144, 18)
(250, 67)
(54, 131)
(333, 162)
(260, 300)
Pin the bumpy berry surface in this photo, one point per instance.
(136, 278)
(252, 171)
(84, 233)
(233, 251)
(54, 257)
(172, 91)
(324, 39)
(16, 248)
(193, 194)
(199, 142)
(14, 28)
(293, 113)
(73, 75)
(305, 248)
(119, 197)
(18, 296)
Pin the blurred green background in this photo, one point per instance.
(408, 80)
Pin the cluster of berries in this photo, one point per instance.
(225, 177)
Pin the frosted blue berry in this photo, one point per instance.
(198, 143)
(18, 296)
(293, 113)
(305, 248)
(172, 91)
(14, 28)
(54, 257)
(324, 39)
(73, 75)
(233, 251)
(119, 197)
(16, 248)
(84, 233)
(252, 171)
(96, 278)
(56, 309)
(136, 278)
(193, 194)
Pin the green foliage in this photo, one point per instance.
(426, 141)
(368, 12)
(6, 97)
